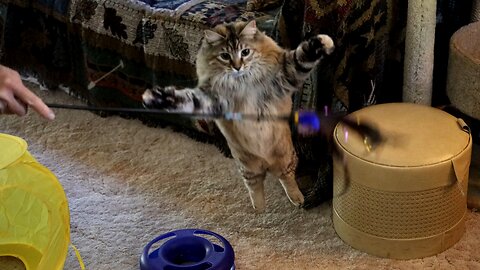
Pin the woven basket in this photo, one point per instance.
(407, 198)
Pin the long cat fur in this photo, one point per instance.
(241, 69)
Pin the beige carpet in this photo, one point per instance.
(127, 183)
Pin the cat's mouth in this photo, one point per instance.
(237, 74)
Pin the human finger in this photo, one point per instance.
(11, 105)
(3, 107)
(23, 93)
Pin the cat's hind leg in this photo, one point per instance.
(253, 173)
(284, 169)
(254, 184)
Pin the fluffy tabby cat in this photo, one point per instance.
(240, 69)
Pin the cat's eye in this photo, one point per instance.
(225, 56)
(245, 52)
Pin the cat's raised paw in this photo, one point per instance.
(319, 45)
(328, 46)
(160, 98)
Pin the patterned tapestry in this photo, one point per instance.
(76, 42)
(155, 40)
(369, 47)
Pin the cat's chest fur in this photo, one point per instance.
(257, 137)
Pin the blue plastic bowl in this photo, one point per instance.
(188, 249)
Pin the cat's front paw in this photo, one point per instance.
(162, 98)
(317, 46)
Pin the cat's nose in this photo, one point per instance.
(237, 65)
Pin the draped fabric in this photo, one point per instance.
(75, 42)
(369, 48)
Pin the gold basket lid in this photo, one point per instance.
(415, 135)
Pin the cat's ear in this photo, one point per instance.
(212, 36)
(250, 29)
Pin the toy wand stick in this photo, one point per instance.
(307, 122)
(225, 116)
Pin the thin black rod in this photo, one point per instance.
(227, 116)
(372, 136)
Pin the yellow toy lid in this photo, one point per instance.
(34, 217)
(12, 149)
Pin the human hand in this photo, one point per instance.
(15, 97)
